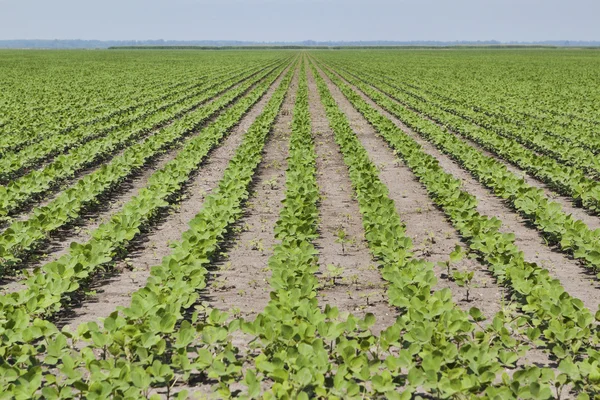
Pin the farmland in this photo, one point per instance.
(300, 224)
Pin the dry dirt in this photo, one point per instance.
(149, 251)
(572, 275)
(359, 289)
(432, 235)
(241, 277)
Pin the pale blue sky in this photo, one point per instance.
(295, 20)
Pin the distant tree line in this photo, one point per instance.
(232, 44)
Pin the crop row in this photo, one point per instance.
(98, 91)
(13, 143)
(554, 319)
(155, 342)
(32, 129)
(13, 164)
(513, 117)
(21, 190)
(543, 155)
(433, 345)
(52, 285)
(568, 180)
(549, 94)
(521, 126)
(21, 237)
(287, 349)
(571, 235)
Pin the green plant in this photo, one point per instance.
(334, 272)
(455, 256)
(342, 238)
(464, 279)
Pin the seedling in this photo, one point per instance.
(257, 244)
(128, 263)
(334, 272)
(271, 183)
(464, 279)
(342, 238)
(431, 238)
(218, 284)
(368, 296)
(455, 257)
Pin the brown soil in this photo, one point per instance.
(241, 279)
(359, 289)
(117, 290)
(575, 280)
(486, 295)
(433, 236)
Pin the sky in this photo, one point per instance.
(297, 20)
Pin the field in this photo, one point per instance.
(300, 224)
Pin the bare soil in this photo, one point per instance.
(359, 289)
(486, 294)
(575, 279)
(154, 246)
(240, 280)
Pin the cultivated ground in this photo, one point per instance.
(249, 351)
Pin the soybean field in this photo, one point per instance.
(299, 224)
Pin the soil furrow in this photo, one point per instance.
(358, 288)
(109, 204)
(240, 281)
(576, 281)
(433, 236)
(131, 274)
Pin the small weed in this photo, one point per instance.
(334, 272)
